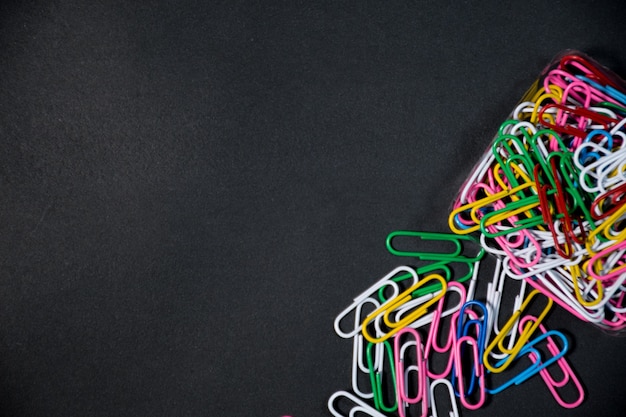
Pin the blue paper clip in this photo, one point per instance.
(463, 330)
(535, 367)
(608, 90)
(478, 373)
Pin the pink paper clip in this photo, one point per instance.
(606, 252)
(433, 334)
(403, 371)
(477, 368)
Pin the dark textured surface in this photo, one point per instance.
(191, 191)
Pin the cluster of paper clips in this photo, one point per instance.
(548, 197)
(420, 330)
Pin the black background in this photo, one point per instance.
(192, 190)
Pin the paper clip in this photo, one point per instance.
(477, 372)
(599, 169)
(483, 203)
(537, 364)
(364, 297)
(541, 152)
(549, 262)
(585, 114)
(561, 201)
(358, 405)
(494, 296)
(504, 153)
(463, 336)
(390, 305)
(406, 310)
(568, 373)
(522, 337)
(579, 63)
(480, 321)
(580, 290)
(610, 290)
(376, 376)
(604, 230)
(454, 255)
(441, 267)
(564, 146)
(479, 172)
(403, 371)
(613, 228)
(493, 303)
(435, 327)
(581, 90)
(550, 284)
(608, 203)
(448, 349)
(390, 318)
(359, 354)
(435, 413)
(606, 92)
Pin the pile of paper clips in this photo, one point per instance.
(549, 196)
(548, 200)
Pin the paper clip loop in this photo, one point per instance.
(455, 411)
(359, 406)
